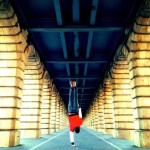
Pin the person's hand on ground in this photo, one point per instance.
(73, 83)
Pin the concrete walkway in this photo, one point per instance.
(86, 140)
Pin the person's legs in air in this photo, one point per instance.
(73, 104)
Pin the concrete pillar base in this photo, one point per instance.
(109, 131)
(123, 134)
(52, 130)
(141, 138)
(101, 130)
(45, 131)
(30, 133)
(9, 138)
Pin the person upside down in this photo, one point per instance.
(74, 112)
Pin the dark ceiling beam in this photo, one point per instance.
(68, 70)
(78, 94)
(76, 44)
(78, 87)
(78, 99)
(93, 12)
(93, 57)
(100, 22)
(63, 41)
(89, 43)
(58, 12)
(72, 77)
(76, 29)
(101, 60)
(84, 99)
(90, 36)
(62, 35)
(76, 51)
(92, 22)
(75, 11)
(76, 19)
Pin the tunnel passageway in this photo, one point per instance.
(103, 45)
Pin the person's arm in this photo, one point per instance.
(72, 137)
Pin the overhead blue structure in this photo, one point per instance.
(76, 39)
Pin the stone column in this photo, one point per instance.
(61, 115)
(13, 55)
(96, 114)
(108, 107)
(87, 120)
(92, 116)
(65, 118)
(139, 66)
(123, 111)
(58, 113)
(53, 112)
(31, 101)
(101, 111)
(46, 104)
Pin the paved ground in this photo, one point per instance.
(86, 140)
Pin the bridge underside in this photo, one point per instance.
(34, 85)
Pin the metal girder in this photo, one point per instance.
(76, 11)
(94, 57)
(58, 11)
(84, 99)
(68, 69)
(72, 77)
(76, 29)
(90, 36)
(78, 88)
(63, 41)
(93, 11)
(76, 51)
(62, 35)
(65, 52)
(100, 22)
(78, 94)
(89, 43)
(76, 44)
(75, 61)
(92, 22)
(76, 19)
(78, 99)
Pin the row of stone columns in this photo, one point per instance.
(124, 98)
(29, 101)
(46, 107)
(53, 110)
(108, 107)
(13, 56)
(121, 92)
